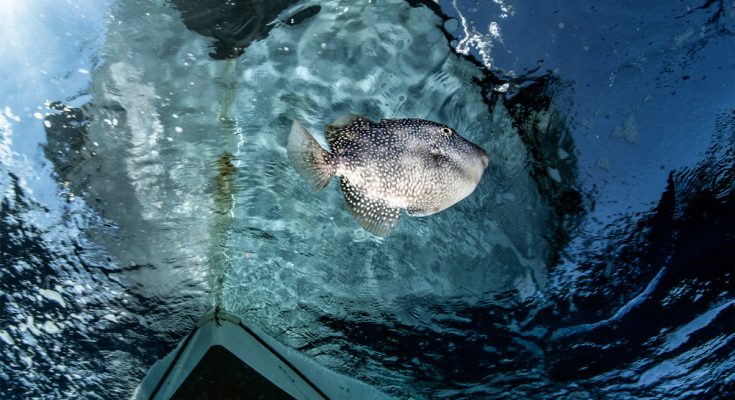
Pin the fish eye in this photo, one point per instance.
(447, 131)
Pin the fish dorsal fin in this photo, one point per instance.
(348, 119)
(331, 132)
(374, 215)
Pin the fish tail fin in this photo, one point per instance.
(308, 157)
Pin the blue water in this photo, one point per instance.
(144, 181)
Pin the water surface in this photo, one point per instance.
(145, 181)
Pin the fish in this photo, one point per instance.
(415, 165)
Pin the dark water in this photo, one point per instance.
(144, 180)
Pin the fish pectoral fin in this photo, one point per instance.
(374, 215)
(308, 157)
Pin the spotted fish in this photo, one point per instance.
(412, 164)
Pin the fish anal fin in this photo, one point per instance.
(418, 212)
(374, 215)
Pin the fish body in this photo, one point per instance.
(417, 165)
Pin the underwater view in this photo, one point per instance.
(147, 177)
